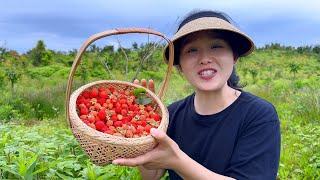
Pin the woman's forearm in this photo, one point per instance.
(187, 168)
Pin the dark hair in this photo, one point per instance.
(234, 79)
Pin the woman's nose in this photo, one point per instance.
(205, 58)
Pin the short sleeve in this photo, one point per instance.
(257, 151)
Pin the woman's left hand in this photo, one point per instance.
(163, 156)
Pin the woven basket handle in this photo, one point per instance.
(100, 35)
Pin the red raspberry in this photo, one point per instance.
(100, 125)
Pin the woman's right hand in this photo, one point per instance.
(150, 85)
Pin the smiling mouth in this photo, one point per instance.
(207, 74)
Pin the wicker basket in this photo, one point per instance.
(102, 148)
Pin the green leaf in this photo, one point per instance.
(11, 171)
(29, 173)
(40, 170)
(63, 176)
(143, 100)
(139, 91)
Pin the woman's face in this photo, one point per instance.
(206, 60)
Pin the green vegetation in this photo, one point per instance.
(35, 142)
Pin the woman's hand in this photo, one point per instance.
(164, 156)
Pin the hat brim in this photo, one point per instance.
(240, 42)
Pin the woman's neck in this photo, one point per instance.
(211, 102)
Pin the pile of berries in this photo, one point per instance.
(117, 112)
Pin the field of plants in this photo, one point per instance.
(36, 143)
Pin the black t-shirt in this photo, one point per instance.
(242, 141)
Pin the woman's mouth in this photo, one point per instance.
(207, 74)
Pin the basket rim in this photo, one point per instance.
(75, 120)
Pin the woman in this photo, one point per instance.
(219, 131)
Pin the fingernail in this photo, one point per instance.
(153, 131)
(115, 162)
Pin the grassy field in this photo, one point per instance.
(35, 142)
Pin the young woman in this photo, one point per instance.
(219, 131)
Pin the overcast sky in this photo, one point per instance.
(64, 25)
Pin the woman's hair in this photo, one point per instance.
(234, 79)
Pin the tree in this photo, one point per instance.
(39, 55)
(73, 52)
(316, 49)
(135, 46)
(94, 48)
(107, 49)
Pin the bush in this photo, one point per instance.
(13, 107)
(158, 76)
(47, 103)
(7, 112)
(46, 71)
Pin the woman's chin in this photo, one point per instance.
(210, 87)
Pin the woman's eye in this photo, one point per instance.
(191, 50)
(215, 46)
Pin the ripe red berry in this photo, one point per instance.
(118, 110)
(86, 94)
(100, 125)
(102, 114)
(157, 117)
(101, 88)
(114, 117)
(101, 100)
(117, 123)
(94, 93)
(124, 112)
(111, 89)
(83, 117)
(123, 101)
(140, 129)
(84, 111)
(82, 106)
(149, 108)
(129, 134)
(147, 128)
(143, 123)
(109, 123)
(91, 118)
(103, 94)
(80, 100)
(124, 106)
